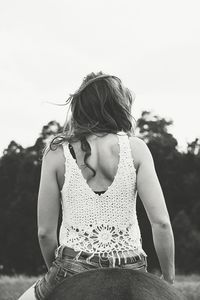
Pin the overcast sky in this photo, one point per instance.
(47, 47)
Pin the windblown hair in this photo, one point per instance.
(101, 105)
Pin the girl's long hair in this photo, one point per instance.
(101, 105)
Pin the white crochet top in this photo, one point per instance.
(104, 224)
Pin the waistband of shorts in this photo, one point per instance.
(64, 251)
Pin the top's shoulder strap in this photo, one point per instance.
(125, 149)
(65, 148)
(67, 154)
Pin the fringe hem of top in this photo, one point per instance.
(113, 256)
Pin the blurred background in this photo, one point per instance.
(47, 47)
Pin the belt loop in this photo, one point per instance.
(59, 251)
(56, 251)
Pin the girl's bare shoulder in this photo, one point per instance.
(137, 142)
(139, 150)
(54, 157)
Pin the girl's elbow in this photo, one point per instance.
(162, 224)
(44, 233)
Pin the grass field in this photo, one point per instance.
(12, 287)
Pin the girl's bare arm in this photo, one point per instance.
(151, 195)
(48, 207)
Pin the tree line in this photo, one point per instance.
(178, 173)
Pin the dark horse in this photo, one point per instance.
(115, 284)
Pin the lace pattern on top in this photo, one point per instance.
(104, 224)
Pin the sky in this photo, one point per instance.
(47, 47)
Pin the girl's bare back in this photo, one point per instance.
(104, 159)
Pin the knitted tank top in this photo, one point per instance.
(106, 224)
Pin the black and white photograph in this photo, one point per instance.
(100, 150)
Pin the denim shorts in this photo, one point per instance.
(66, 264)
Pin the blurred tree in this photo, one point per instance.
(195, 213)
(19, 181)
(187, 241)
(9, 168)
(194, 147)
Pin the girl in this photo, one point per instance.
(95, 170)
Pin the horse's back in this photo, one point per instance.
(115, 284)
